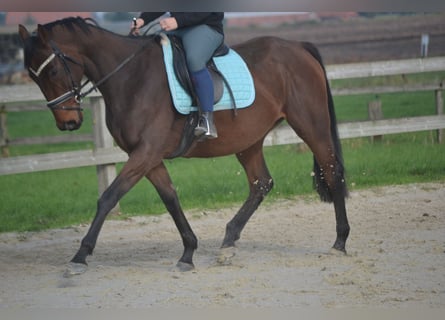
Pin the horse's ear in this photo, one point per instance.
(23, 32)
(42, 33)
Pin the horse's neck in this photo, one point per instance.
(101, 51)
(114, 62)
(105, 55)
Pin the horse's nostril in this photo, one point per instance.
(72, 125)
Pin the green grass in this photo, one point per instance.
(395, 80)
(41, 123)
(59, 198)
(410, 104)
(394, 105)
(402, 159)
(44, 200)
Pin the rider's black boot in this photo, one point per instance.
(206, 126)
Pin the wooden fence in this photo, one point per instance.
(104, 155)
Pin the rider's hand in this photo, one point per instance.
(136, 25)
(169, 24)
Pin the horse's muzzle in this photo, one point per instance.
(69, 125)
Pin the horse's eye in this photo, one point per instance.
(53, 72)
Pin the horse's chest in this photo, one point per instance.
(123, 132)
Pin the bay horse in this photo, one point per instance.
(290, 82)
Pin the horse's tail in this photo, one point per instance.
(319, 182)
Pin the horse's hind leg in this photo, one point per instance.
(260, 183)
(330, 183)
(329, 179)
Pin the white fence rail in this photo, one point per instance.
(385, 68)
(105, 155)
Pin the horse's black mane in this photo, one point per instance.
(85, 25)
(71, 22)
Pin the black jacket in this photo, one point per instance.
(187, 19)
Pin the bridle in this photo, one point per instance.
(76, 91)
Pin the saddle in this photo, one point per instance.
(183, 75)
(232, 81)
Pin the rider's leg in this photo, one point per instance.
(200, 43)
(202, 81)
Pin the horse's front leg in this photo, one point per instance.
(160, 178)
(131, 173)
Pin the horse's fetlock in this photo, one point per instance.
(190, 241)
(88, 247)
(232, 233)
(343, 230)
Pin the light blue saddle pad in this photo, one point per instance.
(234, 69)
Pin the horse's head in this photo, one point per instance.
(57, 70)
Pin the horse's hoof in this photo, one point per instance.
(225, 256)
(74, 269)
(337, 252)
(184, 267)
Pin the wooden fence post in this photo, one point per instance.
(375, 113)
(102, 139)
(439, 111)
(4, 138)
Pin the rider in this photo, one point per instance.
(201, 34)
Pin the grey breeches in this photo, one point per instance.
(200, 42)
